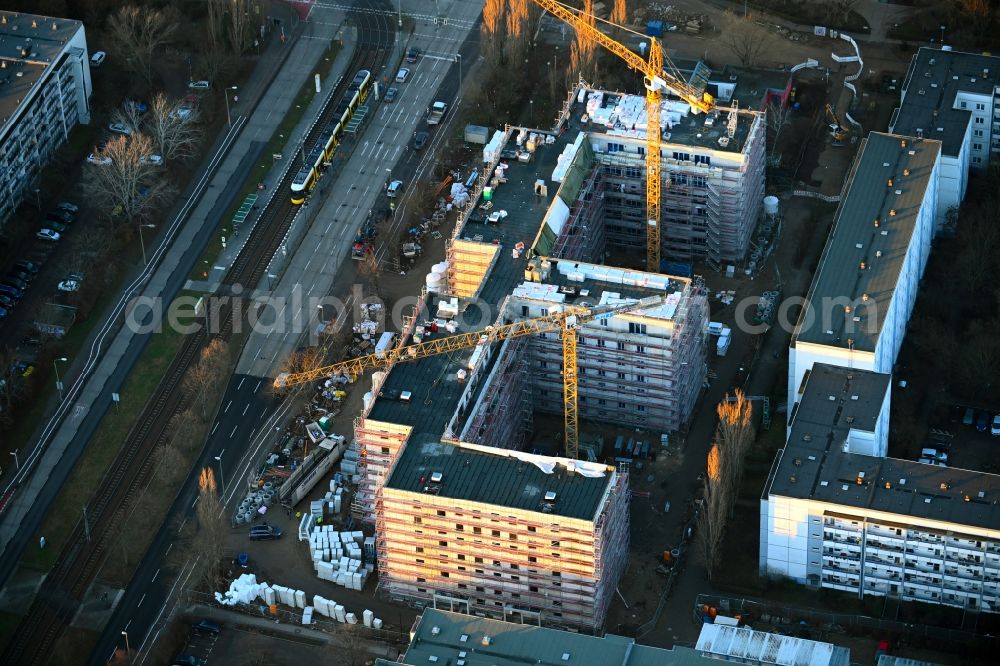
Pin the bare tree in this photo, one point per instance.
(183, 428)
(779, 116)
(734, 436)
(747, 39)
(11, 384)
(243, 17)
(140, 31)
(127, 181)
(583, 50)
(517, 30)
(493, 30)
(203, 378)
(215, 25)
(213, 528)
(713, 512)
(129, 116)
(172, 126)
(619, 13)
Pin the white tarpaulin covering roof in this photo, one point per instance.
(557, 215)
(764, 648)
(547, 464)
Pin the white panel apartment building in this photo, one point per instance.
(44, 92)
(954, 98)
(872, 525)
(866, 284)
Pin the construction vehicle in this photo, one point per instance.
(838, 132)
(657, 81)
(568, 321)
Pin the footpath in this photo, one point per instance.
(265, 99)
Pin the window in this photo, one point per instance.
(524, 310)
(641, 349)
(621, 405)
(702, 159)
(977, 133)
(421, 580)
(461, 557)
(698, 181)
(440, 512)
(543, 364)
(963, 105)
(633, 172)
(477, 530)
(496, 533)
(601, 402)
(419, 549)
(443, 544)
(532, 558)
(980, 106)
(621, 345)
(531, 528)
(621, 375)
(602, 373)
(385, 450)
(636, 329)
(640, 408)
(682, 157)
(640, 378)
(980, 121)
(445, 574)
(616, 147)
(977, 146)
(601, 342)
(416, 520)
(977, 160)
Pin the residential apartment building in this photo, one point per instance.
(502, 534)
(44, 92)
(866, 284)
(872, 525)
(954, 98)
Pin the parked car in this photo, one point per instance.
(23, 368)
(153, 159)
(199, 85)
(390, 94)
(7, 301)
(412, 55)
(74, 275)
(56, 226)
(21, 275)
(995, 428)
(120, 128)
(57, 215)
(138, 107)
(402, 75)
(206, 627)
(934, 454)
(982, 421)
(98, 58)
(27, 266)
(11, 292)
(928, 461)
(188, 660)
(264, 533)
(970, 416)
(12, 281)
(68, 207)
(93, 158)
(420, 140)
(394, 189)
(69, 285)
(47, 235)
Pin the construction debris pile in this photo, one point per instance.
(766, 306)
(246, 590)
(346, 558)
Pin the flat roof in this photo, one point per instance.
(624, 115)
(454, 636)
(503, 478)
(840, 397)
(932, 81)
(747, 646)
(28, 45)
(814, 466)
(861, 260)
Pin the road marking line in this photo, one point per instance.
(240, 385)
(235, 428)
(214, 428)
(257, 388)
(140, 601)
(245, 409)
(127, 624)
(155, 575)
(227, 407)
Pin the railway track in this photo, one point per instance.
(61, 593)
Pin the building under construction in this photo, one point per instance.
(504, 534)
(546, 210)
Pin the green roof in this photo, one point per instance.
(504, 478)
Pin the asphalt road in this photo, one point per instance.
(248, 413)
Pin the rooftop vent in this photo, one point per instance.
(940, 129)
(824, 483)
(888, 485)
(858, 245)
(864, 298)
(902, 143)
(807, 438)
(797, 462)
(813, 458)
(889, 182)
(920, 135)
(932, 61)
(927, 500)
(885, 164)
(902, 482)
(862, 265)
(847, 309)
(792, 479)
(833, 397)
(34, 23)
(933, 85)
(898, 192)
(954, 77)
(854, 397)
(436, 477)
(435, 631)
(550, 496)
(981, 494)
(856, 318)
(464, 638)
(906, 172)
(885, 232)
(944, 486)
(861, 478)
(486, 640)
(829, 331)
(892, 212)
(921, 92)
(565, 656)
(966, 498)
(878, 254)
(844, 487)
(877, 222)
(433, 658)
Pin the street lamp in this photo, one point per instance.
(143, 244)
(229, 119)
(399, 12)
(532, 103)
(459, 57)
(942, 35)
(59, 385)
(17, 462)
(128, 650)
(222, 479)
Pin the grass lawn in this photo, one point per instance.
(79, 489)
(275, 145)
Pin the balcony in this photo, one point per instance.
(960, 555)
(924, 537)
(841, 566)
(892, 545)
(848, 554)
(959, 584)
(883, 573)
(919, 565)
(841, 538)
(877, 558)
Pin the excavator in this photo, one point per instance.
(838, 131)
(568, 321)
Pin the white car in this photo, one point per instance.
(394, 189)
(69, 285)
(47, 234)
(102, 161)
(182, 112)
(199, 85)
(98, 58)
(120, 128)
(153, 159)
(995, 427)
(403, 75)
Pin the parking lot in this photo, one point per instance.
(968, 442)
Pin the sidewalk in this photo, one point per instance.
(281, 72)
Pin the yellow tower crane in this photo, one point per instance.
(566, 321)
(657, 80)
